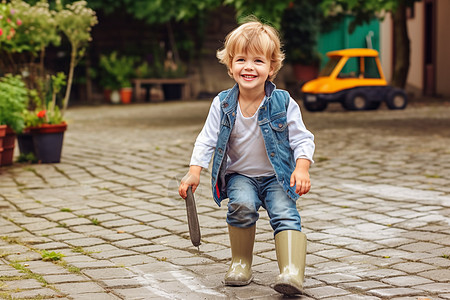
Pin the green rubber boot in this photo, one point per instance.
(290, 246)
(240, 271)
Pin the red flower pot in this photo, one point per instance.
(126, 95)
(9, 141)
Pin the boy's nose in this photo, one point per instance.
(249, 65)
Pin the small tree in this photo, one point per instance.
(76, 22)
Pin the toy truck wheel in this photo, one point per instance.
(356, 100)
(316, 105)
(396, 99)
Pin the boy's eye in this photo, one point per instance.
(240, 59)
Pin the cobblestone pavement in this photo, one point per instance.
(377, 218)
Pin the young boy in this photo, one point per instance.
(262, 154)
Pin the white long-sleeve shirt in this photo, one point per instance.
(246, 153)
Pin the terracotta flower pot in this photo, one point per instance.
(48, 142)
(126, 94)
(9, 141)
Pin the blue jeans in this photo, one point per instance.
(247, 194)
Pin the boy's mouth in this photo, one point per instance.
(249, 76)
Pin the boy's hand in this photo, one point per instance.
(192, 178)
(300, 177)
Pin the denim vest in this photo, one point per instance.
(273, 123)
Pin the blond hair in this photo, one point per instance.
(254, 37)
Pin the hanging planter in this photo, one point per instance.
(9, 142)
(48, 141)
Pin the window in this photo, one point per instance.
(360, 67)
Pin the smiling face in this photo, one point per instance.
(249, 39)
(251, 70)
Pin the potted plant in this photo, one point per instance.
(109, 67)
(300, 27)
(45, 125)
(125, 76)
(13, 99)
(116, 73)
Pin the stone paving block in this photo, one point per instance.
(130, 243)
(22, 284)
(438, 275)
(87, 212)
(104, 217)
(77, 221)
(174, 241)
(120, 283)
(10, 229)
(39, 226)
(119, 223)
(137, 293)
(112, 253)
(189, 261)
(92, 264)
(438, 261)
(67, 236)
(85, 242)
(132, 260)
(153, 233)
(326, 291)
(96, 296)
(406, 281)
(337, 278)
(36, 294)
(378, 274)
(54, 231)
(149, 248)
(42, 211)
(420, 247)
(41, 267)
(135, 228)
(396, 292)
(64, 278)
(359, 297)
(363, 285)
(24, 256)
(108, 273)
(413, 267)
(74, 288)
(335, 253)
(117, 236)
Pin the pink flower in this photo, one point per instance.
(12, 11)
(19, 22)
(1, 31)
(41, 114)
